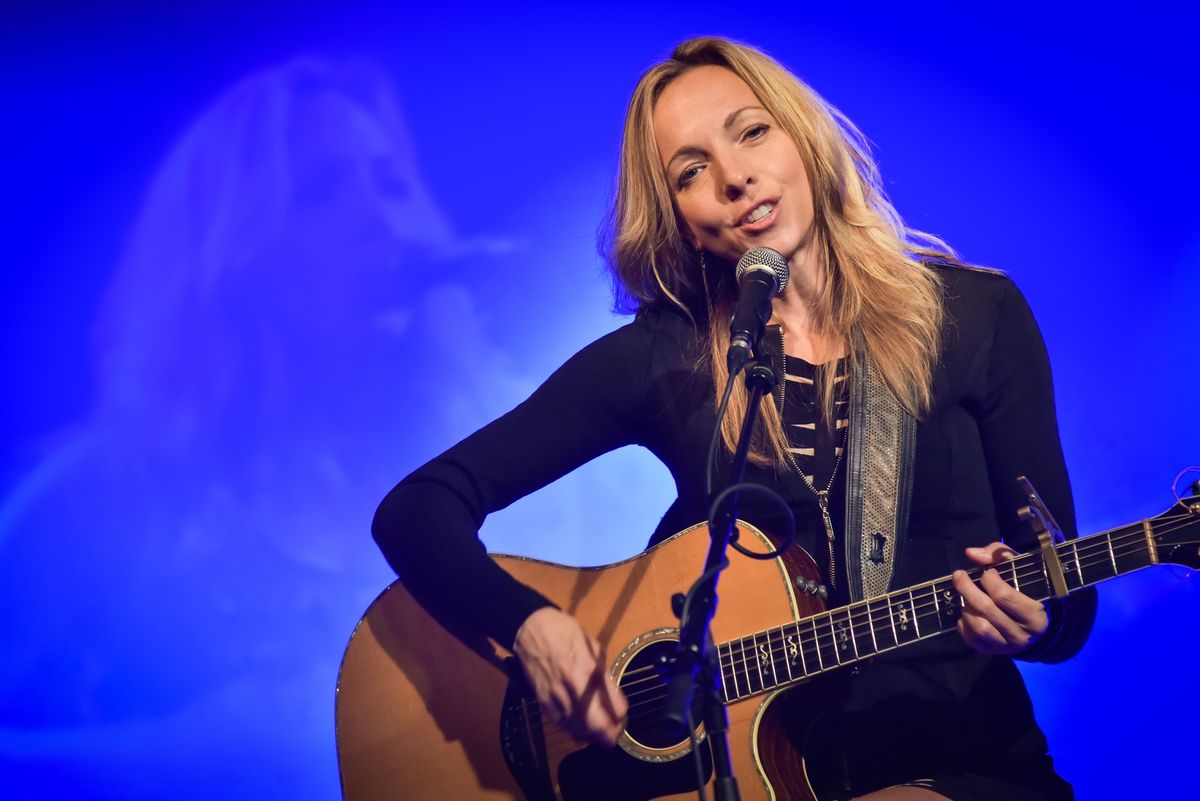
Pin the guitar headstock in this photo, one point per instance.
(1177, 533)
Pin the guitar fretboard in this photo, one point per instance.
(805, 648)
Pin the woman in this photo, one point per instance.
(880, 334)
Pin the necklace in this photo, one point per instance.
(822, 494)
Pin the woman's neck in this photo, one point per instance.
(806, 327)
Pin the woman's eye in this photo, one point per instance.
(755, 132)
(687, 176)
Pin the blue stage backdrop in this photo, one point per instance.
(262, 263)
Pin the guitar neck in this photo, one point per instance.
(779, 656)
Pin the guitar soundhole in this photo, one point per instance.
(644, 683)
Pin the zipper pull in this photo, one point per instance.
(823, 502)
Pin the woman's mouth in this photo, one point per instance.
(760, 217)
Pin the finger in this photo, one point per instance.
(602, 726)
(980, 603)
(981, 635)
(604, 712)
(990, 554)
(589, 718)
(618, 706)
(611, 695)
(558, 709)
(1029, 614)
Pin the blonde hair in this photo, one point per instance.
(880, 298)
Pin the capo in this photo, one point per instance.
(1049, 534)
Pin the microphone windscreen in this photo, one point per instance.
(765, 257)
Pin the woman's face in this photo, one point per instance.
(738, 179)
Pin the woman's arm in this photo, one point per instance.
(428, 525)
(1019, 431)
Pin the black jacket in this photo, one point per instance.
(992, 419)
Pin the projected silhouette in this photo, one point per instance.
(187, 562)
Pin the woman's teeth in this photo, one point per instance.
(760, 212)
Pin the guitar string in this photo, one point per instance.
(824, 639)
(824, 636)
(1087, 547)
(762, 668)
(1090, 555)
(650, 709)
(856, 612)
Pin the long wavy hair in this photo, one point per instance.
(880, 297)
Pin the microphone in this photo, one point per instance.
(762, 274)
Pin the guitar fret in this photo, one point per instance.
(1135, 554)
(762, 684)
(913, 605)
(753, 668)
(902, 622)
(787, 662)
(726, 677)
(1106, 568)
(1046, 579)
(871, 626)
(1022, 566)
(1071, 569)
(768, 654)
(733, 674)
(817, 643)
(785, 651)
(891, 620)
(757, 659)
(843, 640)
(1079, 565)
(798, 643)
(775, 654)
(864, 642)
(949, 604)
(930, 610)
(742, 670)
(1112, 557)
(885, 637)
(747, 673)
(833, 639)
(832, 657)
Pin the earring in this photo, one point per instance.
(703, 266)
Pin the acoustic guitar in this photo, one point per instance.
(433, 713)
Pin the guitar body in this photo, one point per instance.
(425, 715)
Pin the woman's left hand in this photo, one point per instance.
(997, 619)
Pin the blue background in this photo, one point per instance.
(261, 262)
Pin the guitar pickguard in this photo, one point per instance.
(523, 737)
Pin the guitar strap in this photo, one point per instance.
(879, 471)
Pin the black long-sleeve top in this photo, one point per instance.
(992, 419)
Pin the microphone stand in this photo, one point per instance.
(696, 666)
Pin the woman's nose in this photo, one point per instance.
(737, 177)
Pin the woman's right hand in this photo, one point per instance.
(569, 673)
